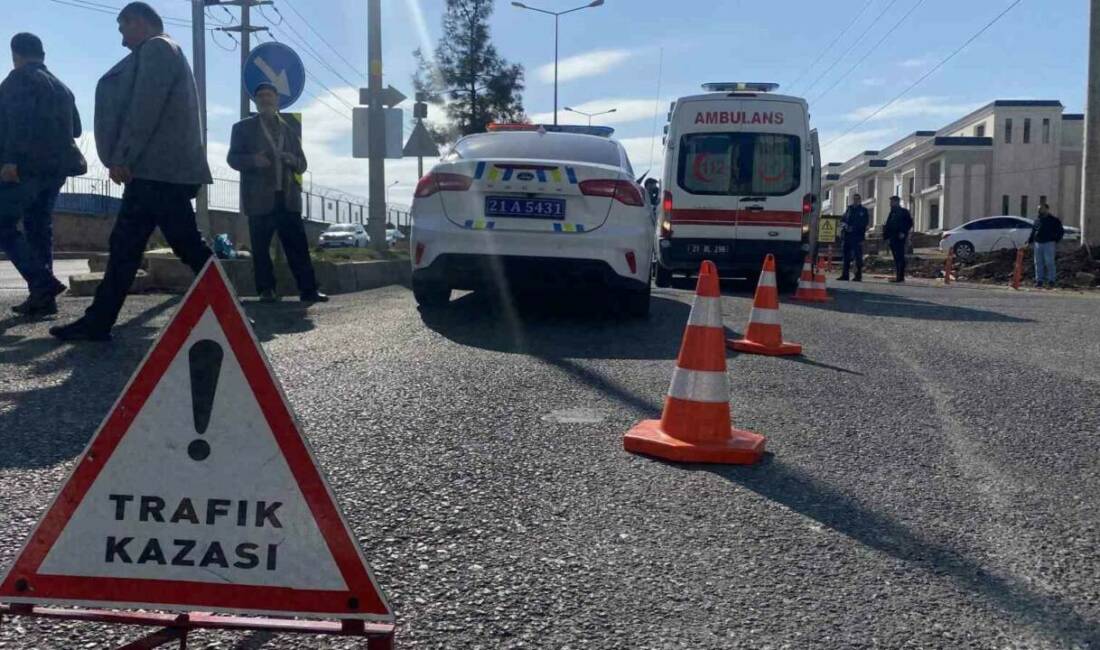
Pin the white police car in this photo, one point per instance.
(528, 207)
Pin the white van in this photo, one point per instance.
(741, 180)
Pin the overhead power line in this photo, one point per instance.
(851, 47)
(828, 47)
(928, 74)
(324, 40)
(303, 44)
(869, 52)
(113, 10)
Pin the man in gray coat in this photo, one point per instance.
(267, 152)
(148, 133)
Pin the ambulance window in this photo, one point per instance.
(739, 164)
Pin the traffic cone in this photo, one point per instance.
(805, 283)
(695, 425)
(765, 334)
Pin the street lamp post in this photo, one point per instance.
(590, 115)
(557, 15)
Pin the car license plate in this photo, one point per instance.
(708, 249)
(523, 208)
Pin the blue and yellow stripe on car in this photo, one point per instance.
(568, 227)
(505, 173)
(479, 224)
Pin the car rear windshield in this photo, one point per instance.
(740, 164)
(342, 228)
(530, 145)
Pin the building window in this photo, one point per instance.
(979, 131)
(934, 173)
(1027, 130)
(1023, 205)
(934, 216)
(1046, 131)
(1004, 205)
(912, 182)
(1008, 131)
(1043, 200)
(871, 189)
(827, 195)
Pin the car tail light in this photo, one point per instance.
(632, 262)
(442, 182)
(419, 252)
(624, 192)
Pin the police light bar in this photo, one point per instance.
(740, 86)
(601, 131)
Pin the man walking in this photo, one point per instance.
(38, 122)
(896, 232)
(148, 134)
(854, 226)
(1046, 234)
(268, 154)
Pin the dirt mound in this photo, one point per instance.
(997, 267)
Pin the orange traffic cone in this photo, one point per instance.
(695, 425)
(805, 283)
(765, 334)
(820, 288)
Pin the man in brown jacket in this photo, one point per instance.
(267, 152)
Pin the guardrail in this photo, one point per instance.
(98, 195)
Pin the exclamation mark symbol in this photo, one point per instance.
(206, 364)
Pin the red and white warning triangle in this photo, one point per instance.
(199, 491)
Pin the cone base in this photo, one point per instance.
(741, 448)
(784, 349)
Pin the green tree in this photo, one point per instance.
(467, 75)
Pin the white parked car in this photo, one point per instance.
(987, 235)
(528, 207)
(394, 235)
(344, 235)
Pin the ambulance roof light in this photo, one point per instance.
(740, 86)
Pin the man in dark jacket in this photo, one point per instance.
(1045, 235)
(896, 232)
(854, 226)
(149, 135)
(38, 122)
(267, 152)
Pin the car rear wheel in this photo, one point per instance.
(964, 250)
(664, 277)
(431, 295)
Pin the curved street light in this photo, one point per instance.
(557, 15)
(590, 115)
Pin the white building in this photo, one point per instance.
(1004, 158)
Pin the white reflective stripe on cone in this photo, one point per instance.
(706, 312)
(699, 385)
(767, 279)
(764, 316)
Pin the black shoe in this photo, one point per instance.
(79, 330)
(42, 303)
(858, 278)
(313, 296)
(269, 296)
(843, 278)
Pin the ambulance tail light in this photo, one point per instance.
(632, 262)
(666, 204)
(666, 216)
(442, 182)
(807, 205)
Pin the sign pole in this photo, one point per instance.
(376, 150)
(198, 55)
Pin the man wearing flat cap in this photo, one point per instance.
(267, 151)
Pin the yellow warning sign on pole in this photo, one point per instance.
(826, 230)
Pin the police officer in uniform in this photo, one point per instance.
(896, 232)
(854, 226)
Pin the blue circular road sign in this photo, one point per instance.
(278, 65)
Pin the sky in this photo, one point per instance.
(847, 57)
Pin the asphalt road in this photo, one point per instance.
(934, 478)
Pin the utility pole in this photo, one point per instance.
(198, 56)
(1090, 186)
(376, 119)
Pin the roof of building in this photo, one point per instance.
(1024, 103)
(924, 134)
(878, 163)
(943, 141)
(1073, 116)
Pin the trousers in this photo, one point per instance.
(30, 200)
(146, 205)
(853, 250)
(292, 234)
(897, 247)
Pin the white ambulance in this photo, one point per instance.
(741, 180)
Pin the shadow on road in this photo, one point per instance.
(561, 326)
(272, 319)
(851, 301)
(45, 426)
(817, 500)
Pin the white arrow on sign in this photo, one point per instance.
(390, 96)
(282, 84)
